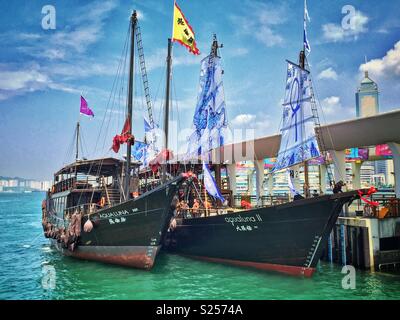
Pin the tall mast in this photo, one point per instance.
(214, 47)
(217, 166)
(166, 109)
(77, 141)
(302, 64)
(130, 99)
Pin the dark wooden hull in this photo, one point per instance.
(287, 238)
(128, 234)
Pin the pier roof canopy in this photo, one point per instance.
(355, 133)
(362, 132)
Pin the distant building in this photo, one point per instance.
(367, 104)
(13, 183)
(379, 172)
(45, 185)
(3, 183)
(21, 185)
(367, 98)
(390, 173)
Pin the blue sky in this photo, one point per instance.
(43, 72)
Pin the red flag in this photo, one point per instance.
(370, 191)
(124, 137)
(161, 158)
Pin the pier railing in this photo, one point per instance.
(389, 206)
(263, 201)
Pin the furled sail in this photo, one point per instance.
(298, 142)
(152, 140)
(209, 119)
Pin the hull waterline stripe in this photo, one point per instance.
(290, 270)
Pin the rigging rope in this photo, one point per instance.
(318, 104)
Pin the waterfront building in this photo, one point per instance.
(13, 183)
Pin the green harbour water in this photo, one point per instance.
(25, 256)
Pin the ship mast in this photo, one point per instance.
(77, 141)
(130, 99)
(302, 64)
(217, 167)
(166, 110)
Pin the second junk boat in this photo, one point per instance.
(287, 238)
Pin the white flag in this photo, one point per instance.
(210, 184)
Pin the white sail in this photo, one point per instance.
(298, 142)
(209, 121)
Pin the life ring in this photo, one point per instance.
(102, 202)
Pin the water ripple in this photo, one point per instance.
(25, 254)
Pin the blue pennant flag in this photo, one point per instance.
(210, 184)
(139, 151)
(147, 126)
(307, 46)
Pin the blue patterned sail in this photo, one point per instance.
(209, 121)
(298, 142)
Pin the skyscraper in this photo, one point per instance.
(367, 104)
(367, 98)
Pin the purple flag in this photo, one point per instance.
(85, 109)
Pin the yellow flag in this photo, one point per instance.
(183, 32)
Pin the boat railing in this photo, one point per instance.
(263, 201)
(80, 182)
(202, 212)
(55, 220)
(86, 208)
(149, 185)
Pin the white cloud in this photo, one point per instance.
(63, 51)
(27, 80)
(336, 33)
(82, 31)
(328, 73)
(238, 52)
(29, 36)
(388, 66)
(53, 54)
(331, 105)
(140, 15)
(333, 110)
(261, 124)
(82, 69)
(158, 59)
(243, 119)
(263, 18)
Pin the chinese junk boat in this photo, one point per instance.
(90, 213)
(287, 238)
